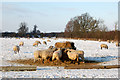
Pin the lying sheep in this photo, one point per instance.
(80, 52)
(35, 44)
(21, 43)
(16, 49)
(104, 46)
(57, 54)
(44, 42)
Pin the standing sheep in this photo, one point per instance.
(35, 44)
(44, 42)
(108, 41)
(73, 55)
(57, 54)
(117, 44)
(16, 49)
(38, 42)
(21, 43)
(37, 55)
(81, 53)
(104, 46)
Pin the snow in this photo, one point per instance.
(91, 49)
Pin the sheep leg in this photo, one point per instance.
(101, 47)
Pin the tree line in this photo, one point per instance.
(83, 26)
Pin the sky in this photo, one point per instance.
(53, 16)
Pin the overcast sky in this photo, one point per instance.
(53, 16)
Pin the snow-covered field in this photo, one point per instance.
(92, 52)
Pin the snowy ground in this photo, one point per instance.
(92, 52)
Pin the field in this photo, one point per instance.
(92, 51)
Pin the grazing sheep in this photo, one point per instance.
(16, 49)
(37, 55)
(57, 54)
(104, 46)
(117, 44)
(81, 53)
(38, 42)
(21, 43)
(66, 44)
(35, 44)
(44, 42)
(43, 54)
(73, 55)
(48, 41)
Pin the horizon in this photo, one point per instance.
(53, 16)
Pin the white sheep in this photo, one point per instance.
(80, 52)
(43, 54)
(16, 49)
(57, 54)
(37, 55)
(73, 55)
(21, 43)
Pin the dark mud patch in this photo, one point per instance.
(66, 64)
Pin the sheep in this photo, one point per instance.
(21, 43)
(112, 41)
(48, 41)
(108, 41)
(80, 52)
(37, 55)
(35, 44)
(44, 42)
(43, 54)
(57, 54)
(66, 44)
(73, 55)
(99, 40)
(104, 46)
(117, 44)
(38, 42)
(16, 49)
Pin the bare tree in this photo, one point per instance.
(84, 24)
(23, 29)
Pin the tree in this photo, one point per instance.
(34, 29)
(82, 25)
(23, 29)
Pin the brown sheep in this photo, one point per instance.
(48, 41)
(117, 44)
(44, 42)
(66, 44)
(108, 41)
(21, 43)
(38, 42)
(104, 46)
(16, 49)
(35, 44)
